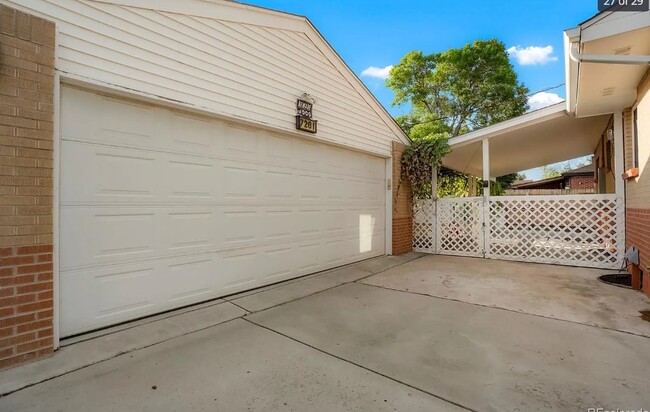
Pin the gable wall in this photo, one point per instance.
(245, 71)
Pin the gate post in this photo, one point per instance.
(434, 208)
(486, 198)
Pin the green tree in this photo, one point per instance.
(550, 171)
(454, 92)
(557, 170)
(463, 89)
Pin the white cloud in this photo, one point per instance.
(377, 72)
(532, 55)
(543, 99)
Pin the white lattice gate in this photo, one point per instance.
(582, 230)
(459, 228)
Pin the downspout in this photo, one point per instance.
(578, 57)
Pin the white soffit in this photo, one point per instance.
(594, 88)
(536, 139)
(606, 88)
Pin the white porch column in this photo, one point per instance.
(619, 160)
(486, 197)
(486, 168)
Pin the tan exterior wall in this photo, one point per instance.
(638, 189)
(604, 163)
(26, 186)
(402, 215)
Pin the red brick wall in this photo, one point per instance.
(402, 235)
(637, 229)
(582, 182)
(402, 216)
(26, 186)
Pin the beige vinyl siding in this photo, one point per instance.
(234, 69)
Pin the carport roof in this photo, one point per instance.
(539, 138)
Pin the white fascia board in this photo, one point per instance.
(612, 24)
(222, 10)
(548, 113)
(328, 51)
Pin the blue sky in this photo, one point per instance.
(376, 34)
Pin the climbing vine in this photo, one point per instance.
(417, 161)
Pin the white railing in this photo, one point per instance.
(575, 230)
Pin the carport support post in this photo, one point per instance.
(619, 183)
(486, 197)
(486, 168)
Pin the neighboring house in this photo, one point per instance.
(580, 180)
(606, 114)
(151, 159)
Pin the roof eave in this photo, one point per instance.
(534, 117)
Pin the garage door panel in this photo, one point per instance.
(309, 257)
(180, 209)
(280, 224)
(278, 263)
(190, 134)
(309, 222)
(307, 155)
(93, 236)
(242, 144)
(126, 122)
(309, 187)
(241, 181)
(111, 295)
(279, 150)
(190, 231)
(191, 179)
(188, 280)
(109, 174)
(239, 226)
(238, 270)
(279, 184)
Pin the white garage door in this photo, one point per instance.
(161, 209)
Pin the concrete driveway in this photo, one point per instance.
(395, 333)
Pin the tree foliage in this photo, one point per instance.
(417, 162)
(451, 93)
(464, 89)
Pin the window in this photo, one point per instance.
(635, 140)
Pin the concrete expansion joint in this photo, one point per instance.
(359, 365)
(115, 355)
(508, 310)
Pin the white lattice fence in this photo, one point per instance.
(584, 230)
(460, 226)
(424, 226)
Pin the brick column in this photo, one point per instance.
(26, 186)
(402, 215)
